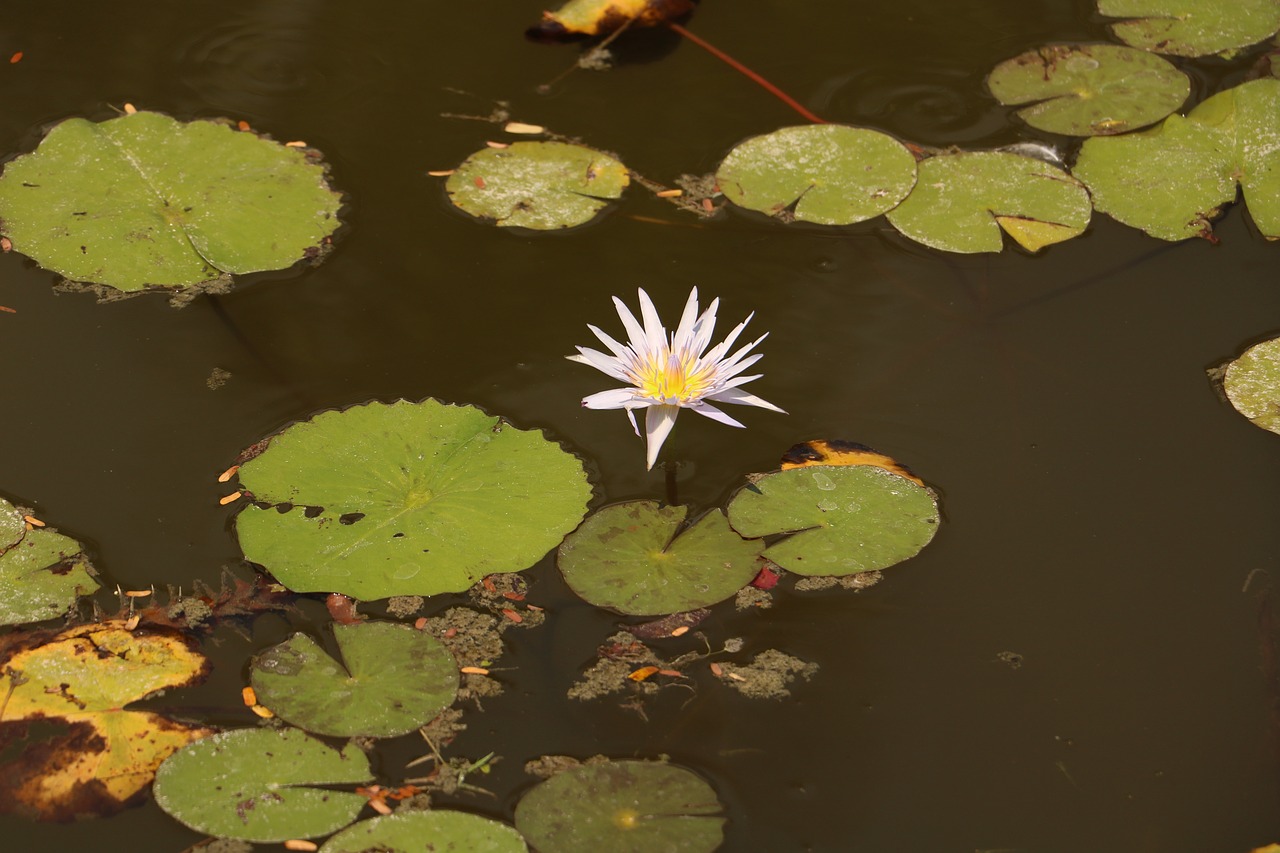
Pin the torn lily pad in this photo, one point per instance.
(1192, 27)
(1172, 180)
(406, 499)
(1089, 90)
(963, 201)
(830, 174)
(437, 830)
(638, 558)
(42, 572)
(538, 185)
(1252, 384)
(146, 200)
(840, 520)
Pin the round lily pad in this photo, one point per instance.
(962, 202)
(635, 558)
(437, 830)
(622, 807)
(42, 572)
(1192, 27)
(406, 499)
(539, 185)
(260, 785)
(830, 174)
(1089, 90)
(395, 679)
(144, 199)
(1252, 383)
(842, 519)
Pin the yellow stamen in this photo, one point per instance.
(673, 380)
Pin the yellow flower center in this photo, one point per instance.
(670, 379)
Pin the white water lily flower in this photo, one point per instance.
(667, 374)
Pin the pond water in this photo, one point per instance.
(1102, 508)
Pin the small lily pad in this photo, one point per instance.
(1192, 27)
(538, 185)
(437, 830)
(1252, 384)
(635, 558)
(144, 199)
(622, 807)
(406, 499)
(392, 680)
(262, 785)
(830, 174)
(842, 520)
(42, 572)
(962, 202)
(1089, 90)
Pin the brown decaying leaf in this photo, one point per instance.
(837, 451)
(586, 18)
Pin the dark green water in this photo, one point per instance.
(1102, 507)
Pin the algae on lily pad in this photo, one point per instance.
(42, 572)
(437, 830)
(406, 499)
(1089, 90)
(145, 199)
(262, 785)
(1173, 179)
(831, 174)
(538, 185)
(962, 201)
(637, 558)
(1192, 27)
(622, 807)
(841, 519)
(1252, 384)
(392, 679)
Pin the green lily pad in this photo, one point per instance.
(1252, 384)
(538, 185)
(395, 680)
(406, 499)
(144, 199)
(830, 174)
(1089, 90)
(622, 807)
(962, 202)
(1192, 27)
(1174, 178)
(438, 830)
(42, 572)
(635, 559)
(260, 785)
(842, 520)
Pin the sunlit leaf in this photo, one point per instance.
(840, 452)
(1089, 90)
(406, 499)
(1252, 384)
(830, 174)
(636, 558)
(262, 785)
(1192, 27)
(622, 807)
(600, 17)
(42, 572)
(436, 830)
(144, 199)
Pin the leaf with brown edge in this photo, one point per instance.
(837, 451)
(587, 18)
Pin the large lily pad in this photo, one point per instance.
(41, 572)
(1252, 384)
(406, 499)
(539, 185)
(262, 785)
(962, 202)
(842, 519)
(1192, 27)
(144, 199)
(622, 807)
(71, 748)
(1173, 179)
(635, 558)
(1089, 90)
(830, 174)
(437, 830)
(395, 679)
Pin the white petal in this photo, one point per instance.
(601, 362)
(736, 382)
(631, 416)
(635, 334)
(734, 395)
(614, 347)
(655, 337)
(658, 423)
(685, 329)
(614, 398)
(710, 411)
(704, 328)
